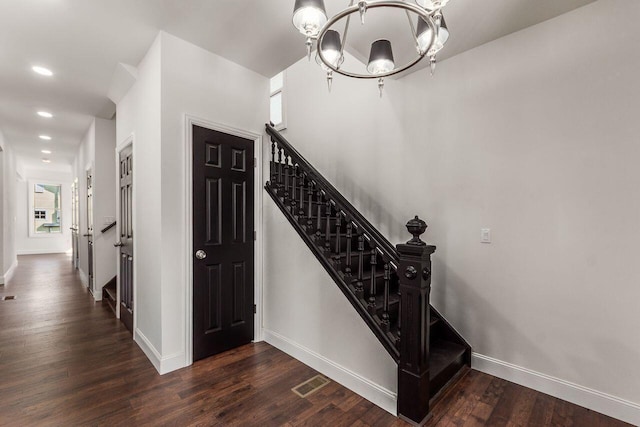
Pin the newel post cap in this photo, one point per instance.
(416, 227)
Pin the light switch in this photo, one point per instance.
(485, 235)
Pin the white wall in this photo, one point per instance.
(96, 151)
(8, 211)
(536, 137)
(174, 80)
(138, 115)
(104, 206)
(200, 84)
(42, 244)
(349, 135)
(84, 160)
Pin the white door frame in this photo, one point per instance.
(188, 224)
(125, 144)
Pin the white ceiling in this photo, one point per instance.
(82, 41)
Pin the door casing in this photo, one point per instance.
(188, 225)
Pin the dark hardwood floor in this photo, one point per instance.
(65, 361)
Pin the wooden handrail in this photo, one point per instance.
(108, 227)
(370, 232)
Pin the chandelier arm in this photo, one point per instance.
(424, 14)
(344, 35)
(414, 33)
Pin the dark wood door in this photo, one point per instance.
(223, 242)
(126, 237)
(89, 234)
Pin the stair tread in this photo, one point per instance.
(110, 290)
(442, 354)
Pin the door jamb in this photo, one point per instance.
(125, 144)
(189, 121)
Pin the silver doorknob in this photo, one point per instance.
(200, 254)
(118, 245)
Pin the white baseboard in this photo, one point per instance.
(163, 365)
(152, 354)
(9, 274)
(371, 391)
(592, 399)
(172, 363)
(83, 278)
(97, 295)
(41, 251)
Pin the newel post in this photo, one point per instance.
(414, 272)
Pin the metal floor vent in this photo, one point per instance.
(310, 386)
(7, 298)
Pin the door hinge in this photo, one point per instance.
(255, 309)
(255, 235)
(255, 162)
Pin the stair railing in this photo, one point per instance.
(322, 217)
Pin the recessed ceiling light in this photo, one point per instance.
(45, 137)
(42, 71)
(46, 152)
(46, 161)
(45, 114)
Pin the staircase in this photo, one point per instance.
(109, 294)
(388, 286)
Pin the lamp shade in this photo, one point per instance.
(380, 57)
(424, 36)
(331, 47)
(309, 16)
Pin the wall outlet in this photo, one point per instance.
(485, 235)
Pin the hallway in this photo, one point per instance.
(65, 360)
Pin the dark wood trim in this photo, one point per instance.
(333, 194)
(108, 227)
(388, 344)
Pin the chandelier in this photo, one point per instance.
(429, 32)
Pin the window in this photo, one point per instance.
(276, 102)
(46, 208)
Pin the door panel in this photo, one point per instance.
(223, 223)
(89, 234)
(126, 237)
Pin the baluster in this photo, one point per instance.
(280, 151)
(327, 235)
(399, 333)
(336, 257)
(310, 184)
(359, 284)
(273, 160)
(385, 310)
(347, 269)
(319, 219)
(372, 287)
(294, 187)
(303, 176)
(286, 177)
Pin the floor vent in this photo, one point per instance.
(7, 298)
(310, 386)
